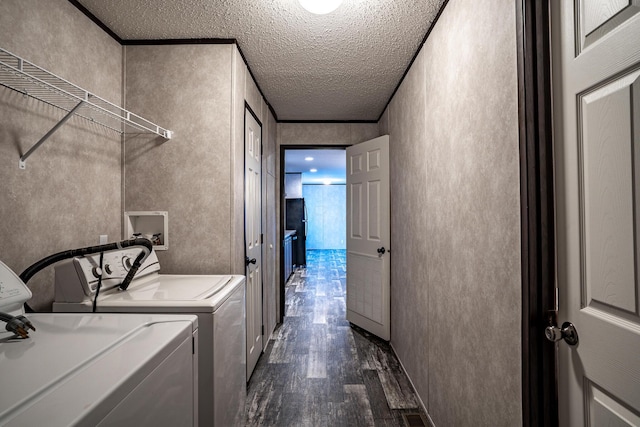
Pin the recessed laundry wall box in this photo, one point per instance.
(154, 225)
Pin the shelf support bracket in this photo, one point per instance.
(22, 164)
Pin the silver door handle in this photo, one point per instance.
(568, 333)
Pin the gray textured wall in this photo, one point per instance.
(70, 192)
(271, 248)
(242, 86)
(325, 133)
(187, 88)
(455, 218)
(327, 220)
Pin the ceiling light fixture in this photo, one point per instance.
(314, 170)
(308, 159)
(320, 7)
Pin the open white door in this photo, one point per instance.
(368, 236)
(596, 56)
(253, 240)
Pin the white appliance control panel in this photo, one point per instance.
(78, 278)
(13, 292)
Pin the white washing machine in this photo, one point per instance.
(217, 300)
(95, 369)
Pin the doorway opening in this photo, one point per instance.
(313, 206)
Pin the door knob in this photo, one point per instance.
(248, 261)
(568, 333)
(381, 250)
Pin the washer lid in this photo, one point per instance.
(72, 362)
(169, 287)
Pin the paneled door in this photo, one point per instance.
(368, 236)
(253, 239)
(596, 57)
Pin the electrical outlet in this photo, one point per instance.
(103, 239)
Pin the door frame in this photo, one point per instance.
(538, 246)
(281, 220)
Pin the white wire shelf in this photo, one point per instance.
(29, 79)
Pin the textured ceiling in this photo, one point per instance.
(340, 66)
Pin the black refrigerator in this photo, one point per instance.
(297, 220)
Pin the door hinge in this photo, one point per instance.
(193, 345)
(261, 238)
(552, 314)
(566, 332)
(262, 330)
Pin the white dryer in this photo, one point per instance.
(217, 300)
(95, 369)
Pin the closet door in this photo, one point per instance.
(253, 238)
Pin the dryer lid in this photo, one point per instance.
(169, 287)
(76, 359)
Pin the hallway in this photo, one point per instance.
(319, 371)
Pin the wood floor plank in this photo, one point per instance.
(336, 414)
(321, 288)
(376, 394)
(262, 408)
(295, 308)
(368, 352)
(343, 357)
(336, 288)
(316, 402)
(317, 361)
(286, 338)
(295, 377)
(358, 405)
(396, 385)
(320, 313)
(398, 397)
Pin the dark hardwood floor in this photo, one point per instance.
(317, 369)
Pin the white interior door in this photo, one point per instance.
(253, 240)
(368, 236)
(596, 56)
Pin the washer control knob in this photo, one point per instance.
(108, 269)
(126, 261)
(96, 271)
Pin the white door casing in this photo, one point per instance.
(596, 57)
(368, 231)
(253, 241)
